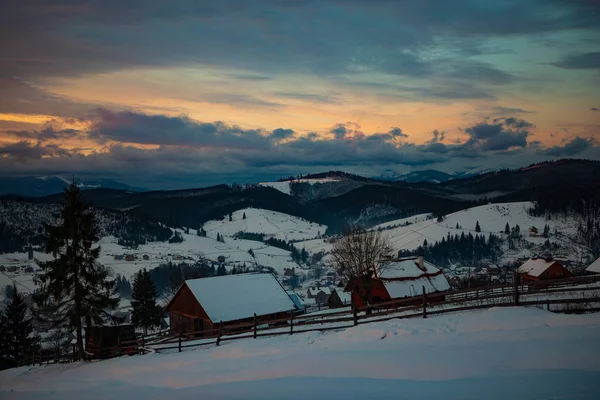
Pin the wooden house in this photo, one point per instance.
(401, 279)
(320, 294)
(339, 299)
(540, 268)
(201, 304)
(129, 257)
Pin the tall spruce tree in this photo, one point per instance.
(146, 313)
(77, 286)
(477, 227)
(16, 338)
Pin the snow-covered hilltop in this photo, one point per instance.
(270, 223)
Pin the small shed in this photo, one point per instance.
(594, 267)
(540, 268)
(201, 304)
(110, 341)
(339, 299)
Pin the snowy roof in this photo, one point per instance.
(535, 266)
(232, 297)
(323, 289)
(407, 268)
(345, 297)
(594, 267)
(296, 299)
(414, 287)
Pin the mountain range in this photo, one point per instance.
(46, 185)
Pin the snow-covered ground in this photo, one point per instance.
(284, 186)
(271, 223)
(492, 218)
(515, 353)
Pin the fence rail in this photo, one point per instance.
(453, 301)
(576, 299)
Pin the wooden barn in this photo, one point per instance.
(541, 268)
(402, 279)
(201, 304)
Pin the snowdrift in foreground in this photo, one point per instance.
(513, 353)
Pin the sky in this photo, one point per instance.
(174, 94)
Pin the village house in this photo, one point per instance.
(402, 278)
(129, 257)
(201, 304)
(339, 298)
(594, 267)
(540, 268)
(320, 294)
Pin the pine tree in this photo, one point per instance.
(146, 313)
(16, 339)
(457, 226)
(507, 229)
(221, 270)
(477, 227)
(230, 217)
(546, 231)
(244, 216)
(77, 286)
(30, 252)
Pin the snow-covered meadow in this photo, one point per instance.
(500, 353)
(492, 219)
(270, 223)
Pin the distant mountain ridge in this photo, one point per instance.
(37, 186)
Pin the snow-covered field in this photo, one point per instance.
(515, 353)
(271, 223)
(492, 218)
(284, 186)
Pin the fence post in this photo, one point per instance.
(516, 281)
(355, 315)
(179, 346)
(548, 304)
(291, 322)
(254, 325)
(220, 333)
(143, 345)
(424, 303)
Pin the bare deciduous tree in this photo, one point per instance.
(359, 256)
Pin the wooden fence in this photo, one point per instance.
(469, 299)
(576, 299)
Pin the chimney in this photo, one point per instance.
(421, 262)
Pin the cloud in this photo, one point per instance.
(339, 131)
(308, 97)
(46, 133)
(238, 99)
(198, 152)
(438, 136)
(280, 134)
(579, 61)
(594, 109)
(573, 147)
(502, 134)
(25, 151)
(140, 128)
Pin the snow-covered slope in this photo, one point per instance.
(410, 233)
(501, 353)
(271, 223)
(284, 186)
